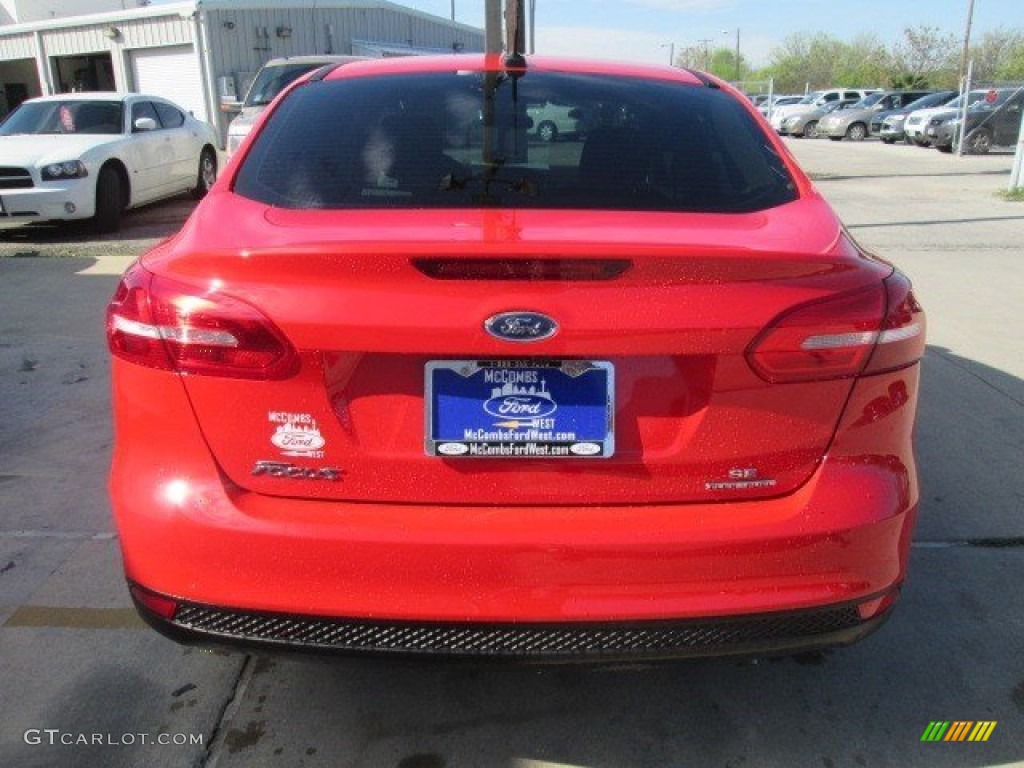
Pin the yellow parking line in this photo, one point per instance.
(75, 618)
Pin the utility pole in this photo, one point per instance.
(706, 50)
(726, 32)
(533, 26)
(515, 28)
(737, 57)
(967, 40)
(493, 27)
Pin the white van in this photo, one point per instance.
(270, 81)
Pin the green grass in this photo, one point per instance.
(1015, 195)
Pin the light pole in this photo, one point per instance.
(671, 53)
(967, 39)
(533, 25)
(728, 32)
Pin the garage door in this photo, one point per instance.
(171, 72)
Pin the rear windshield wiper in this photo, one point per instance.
(522, 185)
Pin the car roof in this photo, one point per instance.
(464, 61)
(93, 96)
(324, 58)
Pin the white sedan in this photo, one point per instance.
(94, 155)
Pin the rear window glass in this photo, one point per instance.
(272, 80)
(540, 140)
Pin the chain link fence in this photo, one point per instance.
(988, 121)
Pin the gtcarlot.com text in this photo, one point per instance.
(57, 737)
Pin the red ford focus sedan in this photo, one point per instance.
(413, 380)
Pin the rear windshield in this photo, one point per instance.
(272, 80)
(539, 140)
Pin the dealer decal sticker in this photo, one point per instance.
(296, 434)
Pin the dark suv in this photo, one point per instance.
(991, 122)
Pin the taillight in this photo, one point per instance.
(836, 337)
(902, 337)
(159, 323)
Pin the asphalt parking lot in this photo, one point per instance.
(75, 663)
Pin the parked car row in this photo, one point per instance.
(991, 119)
(924, 118)
(816, 100)
(854, 123)
(889, 127)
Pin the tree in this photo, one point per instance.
(863, 62)
(928, 53)
(925, 57)
(804, 60)
(1012, 66)
(723, 64)
(993, 52)
(907, 81)
(694, 57)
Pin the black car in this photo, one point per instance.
(991, 122)
(888, 126)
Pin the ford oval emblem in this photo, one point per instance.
(521, 406)
(521, 326)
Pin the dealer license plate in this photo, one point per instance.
(520, 408)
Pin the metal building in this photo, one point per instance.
(203, 53)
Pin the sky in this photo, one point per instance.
(645, 30)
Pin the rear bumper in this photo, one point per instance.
(782, 632)
(841, 539)
(831, 130)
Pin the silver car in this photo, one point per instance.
(854, 123)
(806, 123)
(272, 78)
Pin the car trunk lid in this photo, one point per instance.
(371, 299)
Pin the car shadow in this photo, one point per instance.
(153, 221)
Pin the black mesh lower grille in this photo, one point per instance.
(675, 638)
(15, 178)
